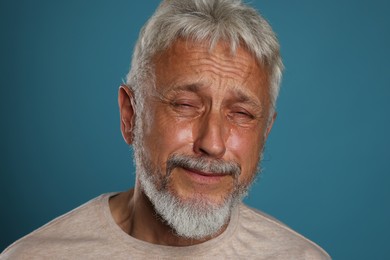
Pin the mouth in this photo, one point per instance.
(205, 177)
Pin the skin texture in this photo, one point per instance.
(211, 104)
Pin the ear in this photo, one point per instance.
(127, 112)
(270, 124)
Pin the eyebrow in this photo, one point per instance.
(194, 87)
(243, 97)
(162, 95)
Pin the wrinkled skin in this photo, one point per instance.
(208, 104)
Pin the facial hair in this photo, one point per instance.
(197, 217)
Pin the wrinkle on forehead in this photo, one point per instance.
(220, 61)
(226, 67)
(195, 64)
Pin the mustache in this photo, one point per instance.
(203, 164)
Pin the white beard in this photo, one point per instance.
(194, 218)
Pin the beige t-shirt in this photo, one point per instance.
(90, 232)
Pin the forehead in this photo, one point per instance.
(188, 62)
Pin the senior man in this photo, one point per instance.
(197, 107)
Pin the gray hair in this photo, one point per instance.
(204, 21)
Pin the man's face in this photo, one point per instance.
(207, 104)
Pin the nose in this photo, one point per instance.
(210, 137)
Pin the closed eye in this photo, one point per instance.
(241, 117)
(186, 108)
(244, 114)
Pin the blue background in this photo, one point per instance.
(327, 160)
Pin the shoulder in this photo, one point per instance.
(275, 237)
(63, 230)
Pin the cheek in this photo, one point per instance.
(174, 138)
(182, 133)
(246, 147)
(167, 134)
(245, 142)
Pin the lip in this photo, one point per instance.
(204, 177)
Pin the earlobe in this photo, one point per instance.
(127, 112)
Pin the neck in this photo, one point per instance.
(135, 215)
